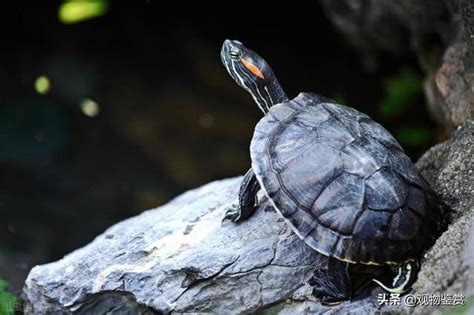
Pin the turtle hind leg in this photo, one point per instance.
(247, 201)
(332, 285)
(404, 277)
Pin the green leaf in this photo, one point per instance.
(401, 92)
(8, 301)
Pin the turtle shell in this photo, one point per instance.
(343, 183)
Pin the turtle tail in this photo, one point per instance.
(405, 276)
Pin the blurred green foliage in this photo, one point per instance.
(401, 92)
(42, 84)
(74, 11)
(8, 301)
(414, 135)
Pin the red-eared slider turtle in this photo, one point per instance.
(340, 180)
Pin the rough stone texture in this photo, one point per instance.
(450, 89)
(426, 28)
(449, 168)
(449, 264)
(179, 258)
(467, 14)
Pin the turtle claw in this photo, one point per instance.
(233, 213)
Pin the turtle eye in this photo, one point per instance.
(234, 54)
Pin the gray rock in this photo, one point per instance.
(448, 267)
(181, 258)
(450, 89)
(395, 27)
(449, 168)
(440, 33)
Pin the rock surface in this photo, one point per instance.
(440, 33)
(450, 88)
(449, 264)
(178, 258)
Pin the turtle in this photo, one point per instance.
(340, 181)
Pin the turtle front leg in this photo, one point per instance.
(247, 202)
(332, 285)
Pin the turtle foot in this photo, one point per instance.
(332, 286)
(328, 295)
(233, 213)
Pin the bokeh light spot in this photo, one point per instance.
(206, 120)
(89, 107)
(42, 84)
(74, 11)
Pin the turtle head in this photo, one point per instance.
(253, 73)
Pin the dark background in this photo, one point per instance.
(170, 117)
